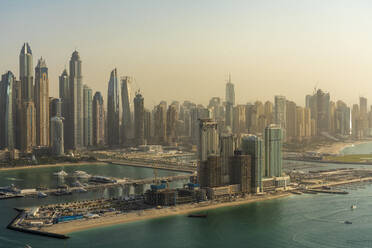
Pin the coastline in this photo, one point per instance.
(81, 225)
(337, 147)
(50, 165)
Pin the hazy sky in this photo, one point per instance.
(184, 50)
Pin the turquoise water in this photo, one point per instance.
(365, 148)
(296, 221)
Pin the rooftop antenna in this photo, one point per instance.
(229, 77)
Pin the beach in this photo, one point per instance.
(84, 224)
(337, 147)
(50, 165)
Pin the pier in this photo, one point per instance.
(182, 167)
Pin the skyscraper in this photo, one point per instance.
(7, 111)
(230, 92)
(98, 119)
(240, 171)
(56, 133)
(28, 120)
(42, 103)
(160, 119)
(87, 119)
(280, 113)
(75, 119)
(227, 148)
(64, 92)
(172, 118)
(113, 134)
(208, 139)
(253, 146)
(139, 125)
(273, 151)
(126, 122)
(148, 126)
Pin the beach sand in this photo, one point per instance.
(337, 147)
(80, 225)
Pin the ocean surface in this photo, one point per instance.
(295, 221)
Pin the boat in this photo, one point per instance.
(348, 222)
(28, 246)
(353, 206)
(41, 195)
(61, 173)
(197, 216)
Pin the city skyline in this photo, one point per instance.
(321, 44)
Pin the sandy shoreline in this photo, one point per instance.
(337, 147)
(80, 225)
(50, 165)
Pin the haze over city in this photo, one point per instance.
(172, 48)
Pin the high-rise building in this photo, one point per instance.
(229, 115)
(240, 171)
(172, 118)
(87, 116)
(208, 139)
(113, 134)
(281, 113)
(55, 107)
(126, 102)
(319, 103)
(147, 125)
(239, 123)
(230, 92)
(64, 93)
(273, 151)
(28, 115)
(253, 146)
(42, 103)
(139, 124)
(17, 113)
(75, 119)
(7, 111)
(98, 119)
(209, 172)
(291, 120)
(160, 121)
(56, 134)
(227, 148)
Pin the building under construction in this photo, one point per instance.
(161, 195)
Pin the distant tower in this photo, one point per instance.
(172, 118)
(75, 120)
(87, 119)
(139, 128)
(273, 151)
(28, 120)
(56, 133)
(42, 103)
(7, 111)
(126, 122)
(160, 122)
(230, 92)
(113, 137)
(280, 113)
(98, 119)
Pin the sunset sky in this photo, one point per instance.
(184, 50)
